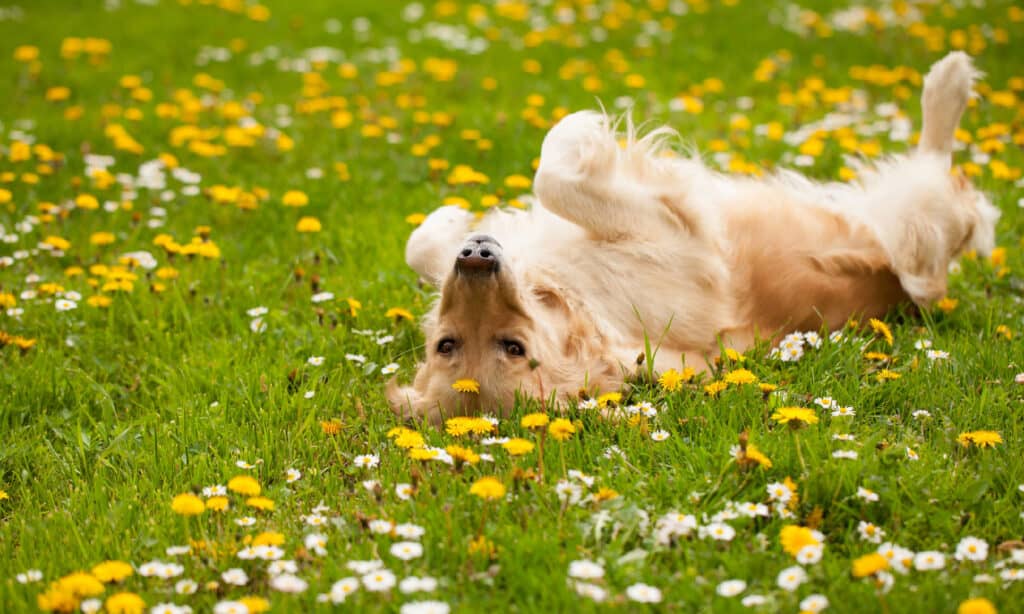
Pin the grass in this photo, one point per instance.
(116, 410)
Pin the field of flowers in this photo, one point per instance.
(203, 208)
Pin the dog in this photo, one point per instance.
(627, 246)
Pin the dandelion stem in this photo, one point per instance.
(799, 452)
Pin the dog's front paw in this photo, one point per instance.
(581, 145)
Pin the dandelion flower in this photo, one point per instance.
(295, 198)
(518, 446)
(869, 565)
(740, 377)
(187, 504)
(466, 385)
(795, 416)
(244, 485)
(125, 603)
(488, 488)
(977, 605)
(112, 571)
(561, 429)
(672, 380)
(534, 421)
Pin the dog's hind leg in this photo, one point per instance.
(612, 191)
(947, 89)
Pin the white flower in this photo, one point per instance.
(659, 435)
(718, 531)
(91, 606)
(257, 325)
(408, 530)
(814, 603)
(407, 551)
(322, 297)
(848, 454)
(810, 554)
(567, 491)
(912, 455)
(287, 583)
(379, 581)
(315, 361)
(63, 304)
(389, 368)
(364, 567)
(870, 532)
(314, 520)
(826, 402)
(256, 312)
(936, 355)
(152, 569)
(1012, 575)
(169, 608)
(386, 339)
(245, 521)
(342, 589)
(843, 412)
(867, 495)
(32, 575)
(292, 475)
(984, 578)
(923, 344)
(177, 550)
(371, 485)
(900, 559)
(971, 549)
(230, 607)
(791, 578)
(425, 607)
(585, 570)
(215, 491)
(186, 587)
(282, 567)
(643, 593)
(590, 591)
(587, 404)
(357, 358)
(235, 576)
(309, 394)
(752, 601)
(921, 414)
(316, 542)
(380, 526)
(412, 584)
(778, 491)
(268, 553)
(403, 491)
(731, 588)
(366, 461)
(753, 510)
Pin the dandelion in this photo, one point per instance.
(517, 446)
(488, 488)
(534, 421)
(672, 380)
(125, 603)
(977, 605)
(244, 485)
(869, 565)
(295, 198)
(795, 417)
(561, 429)
(466, 385)
(308, 224)
(740, 377)
(982, 439)
(187, 504)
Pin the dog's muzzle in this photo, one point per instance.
(481, 255)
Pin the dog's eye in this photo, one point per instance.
(445, 346)
(513, 348)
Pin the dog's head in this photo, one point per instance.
(506, 331)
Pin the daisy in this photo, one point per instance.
(843, 437)
(409, 531)
(412, 584)
(364, 567)
(814, 603)
(366, 461)
(407, 550)
(868, 495)
(91, 606)
(810, 554)
(315, 361)
(292, 475)
(843, 412)
(826, 402)
(287, 583)
(643, 593)
(922, 344)
(256, 312)
(317, 543)
(357, 358)
(778, 491)
(848, 454)
(659, 435)
(245, 521)
(731, 588)
(590, 591)
(921, 414)
(425, 607)
(64, 304)
(379, 581)
(936, 355)
(791, 578)
(282, 567)
(870, 532)
(585, 570)
(753, 601)
(230, 607)
(911, 455)
(235, 576)
(322, 297)
(257, 325)
(381, 527)
(389, 368)
(719, 531)
(342, 589)
(403, 491)
(186, 587)
(971, 549)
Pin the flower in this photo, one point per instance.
(308, 224)
(971, 549)
(424, 607)
(397, 314)
(977, 605)
(929, 560)
(341, 589)
(714, 388)
(295, 198)
(814, 603)
(534, 421)
(235, 576)
(292, 475)
(794, 538)
(659, 435)
(407, 550)
(672, 380)
(125, 603)
(112, 571)
(379, 581)
(561, 429)
(791, 578)
(795, 416)
(518, 446)
(740, 377)
(366, 461)
(881, 328)
(488, 488)
(731, 588)
(947, 305)
(585, 570)
(869, 565)
(187, 504)
(288, 583)
(982, 439)
(260, 503)
(244, 485)
(466, 385)
(643, 593)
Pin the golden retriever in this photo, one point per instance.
(629, 245)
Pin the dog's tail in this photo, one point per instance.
(947, 88)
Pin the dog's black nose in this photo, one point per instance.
(481, 255)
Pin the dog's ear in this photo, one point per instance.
(405, 401)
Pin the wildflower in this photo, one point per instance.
(971, 549)
(740, 377)
(466, 385)
(534, 421)
(366, 461)
(244, 485)
(731, 588)
(460, 454)
(609, 398)
(341, 589)
(230, 607)
(795, 538)
(672, 380)
(288, 583)
(870, 532)
(235, 577)
(881, 328)
(780, 492)
(659, 435)
(977, 605)
(585, 570)
(462, 425)
(292, 475)
(947, 305)
(643, 593)
(407, 550)
(308, 224)
(414, 584)
(982, 439)
(425, 607)
(518, 446)
(795, 416)
(868, 495)
(561, 429)
(869, 565)
(714, 388)
(408, 530)
(186, 587)
(886, 374)
(260, 503)
(112, 571)
(847, 454)
(814, 604)
(488, 488)
(379, 581)
(125, 603)
(929, 561)
(791, 578)
(719, 531)
(398, 314)
(295, 198)
(187, 504)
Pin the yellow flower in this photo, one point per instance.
(244, 485)
(415, 219)
(112, 571)
(947, 304)
(739, 377)
(673, 380)
(26, 53)
(461, 425)
(58, 243)
(605, 494)
(101, 238)
(765, 387)
(260, 503)
(217, 504)
(978, 605)
(409, 439)
(464, 455)
(125, 603)
(795, 538)
(1005, 331)
(609, 398)
(536, 420)
(187, 504)
(422, 454)
(714, 388)
(488, 488)
(80, 584)
(466, 385)
(397, 313)
(796, 415)
(880, 356)
(982, 439)
(4, 495)
(753, 456)
(517, 182)
(869, 565)
(255, 605)
(87, 201)
(268, 538)
(330, 427)
(561, 429)
(886, 374)
(294, 198)
(881, 328)
(308, 224)
(518, 446)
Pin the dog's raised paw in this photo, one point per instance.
(580, 145)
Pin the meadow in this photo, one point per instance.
(203, 210)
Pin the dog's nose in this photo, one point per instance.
(481, 255)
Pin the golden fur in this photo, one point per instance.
(628, 244)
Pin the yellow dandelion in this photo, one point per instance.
(187, 504)
(869, 565)
(673, 380)
(881, 328)
(124, 603)
(295, 198)
(397, 314)
(740, 377)
(112, 571)
(518, 446)
(947, 304)
(795, 416)
(535, 420)
(982, 439)
(308, 224)
(244, 485)
(714, 388)
(561, 429)
(488, 488)
(466, 385)
(260, 503)
(977, 605)
(795, 538)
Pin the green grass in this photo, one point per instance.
(116, 410)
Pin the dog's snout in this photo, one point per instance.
(480, 255)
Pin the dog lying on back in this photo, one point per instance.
(628, 243)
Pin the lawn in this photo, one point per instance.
(203, 211)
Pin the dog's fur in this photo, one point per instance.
(629, 243)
